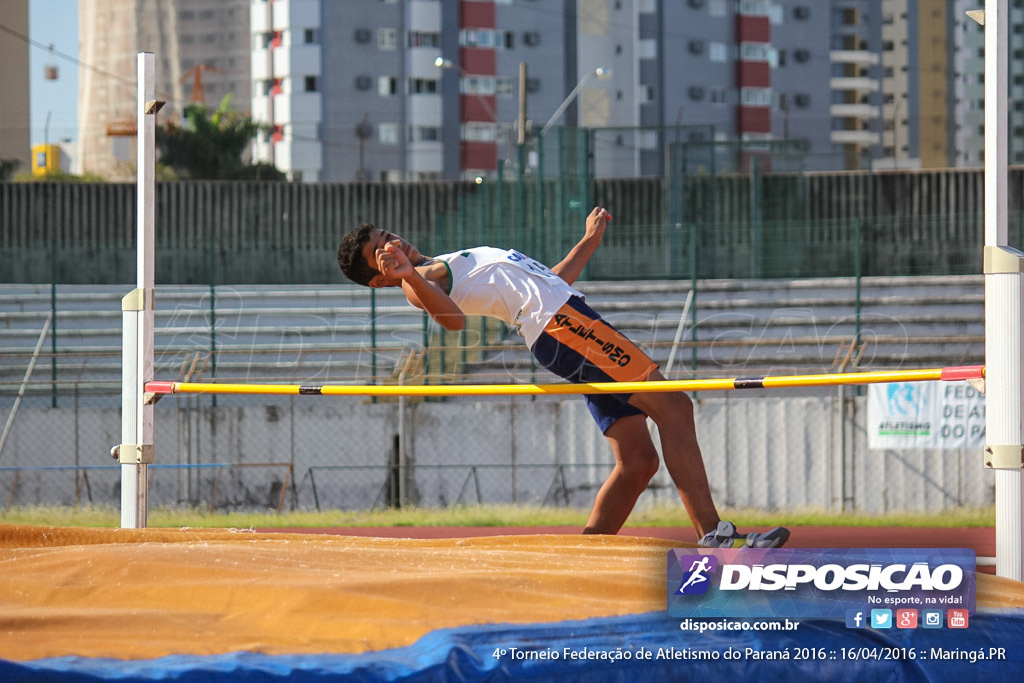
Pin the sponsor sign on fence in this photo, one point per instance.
(925, 415)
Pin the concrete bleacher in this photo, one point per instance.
(755, 328)
(325, 334)
(286, 334)
(773, 326)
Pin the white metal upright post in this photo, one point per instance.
(135, 452)
(1003, 303)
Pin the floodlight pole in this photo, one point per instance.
(135, 451)
(1003, 303)
(598, 72)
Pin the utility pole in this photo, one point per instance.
(522, 103)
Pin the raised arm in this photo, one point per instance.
(570, 267)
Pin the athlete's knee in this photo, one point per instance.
(641, 466)
(674, 409)
(682, 402)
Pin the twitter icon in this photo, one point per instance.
(881, 618)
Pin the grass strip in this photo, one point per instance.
(480, 516)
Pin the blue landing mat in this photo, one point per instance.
(613, 649)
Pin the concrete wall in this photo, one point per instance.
(761, 452)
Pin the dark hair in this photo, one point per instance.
(350, 255)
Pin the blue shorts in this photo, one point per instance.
(578, 345)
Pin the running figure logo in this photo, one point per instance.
(696, 580)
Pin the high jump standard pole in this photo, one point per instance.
(135, 452)
(1003, 267)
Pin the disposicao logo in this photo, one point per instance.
(833, 582)
(697, 579)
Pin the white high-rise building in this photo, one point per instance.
(286, 81)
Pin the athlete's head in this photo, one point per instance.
(357, 255)
(350, 255)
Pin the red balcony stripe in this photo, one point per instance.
(478, 60)
(476, 15)
(753, 29)
(753, 120)
(482, 155)
(753, 75)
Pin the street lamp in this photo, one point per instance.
(599, 72)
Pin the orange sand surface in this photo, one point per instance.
(135, 594)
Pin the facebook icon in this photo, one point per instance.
(855, 618)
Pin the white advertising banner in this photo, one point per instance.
(925, 415)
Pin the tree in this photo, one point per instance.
(7, 168)
(211, 145)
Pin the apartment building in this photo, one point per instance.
(933, 84)
(422, 89)
(967, 89)
(405, 90)
(287, 81)
(15, 138)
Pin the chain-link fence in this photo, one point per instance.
(60, 398)
(699, 267)
(685, 206)
(303, 453)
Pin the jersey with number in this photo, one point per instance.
(507, 285)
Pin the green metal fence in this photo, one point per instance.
(720, 210)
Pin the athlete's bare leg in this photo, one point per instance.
(673, 413)
(636, 462)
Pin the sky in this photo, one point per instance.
(53, 22)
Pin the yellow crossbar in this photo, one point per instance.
(724, 384)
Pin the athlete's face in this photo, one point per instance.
(378, 238)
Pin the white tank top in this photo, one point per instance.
(507, 285)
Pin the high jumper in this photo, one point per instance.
(569, 338)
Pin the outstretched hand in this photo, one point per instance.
(597, 221)
(570, 267)
(392, 262)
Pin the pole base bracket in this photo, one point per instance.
(133, 453)
(1004, 456)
